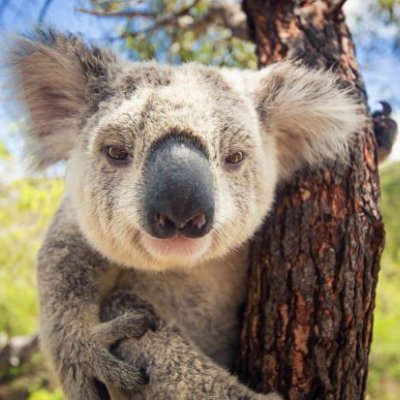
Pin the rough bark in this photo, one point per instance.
(308, 320)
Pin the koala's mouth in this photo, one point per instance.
(177, 247)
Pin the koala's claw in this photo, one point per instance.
(103, 370)
(112, 370)
(104, 366)
(120, 374)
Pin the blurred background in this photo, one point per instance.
(211, 32)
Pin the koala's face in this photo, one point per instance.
(173, 166)
(173, 170)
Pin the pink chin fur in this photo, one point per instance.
(178, 247)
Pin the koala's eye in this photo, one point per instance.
(117, 154)
(235, 158)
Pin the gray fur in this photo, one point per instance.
(102, 280)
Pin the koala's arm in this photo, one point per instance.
(72, 279)
(176, 368)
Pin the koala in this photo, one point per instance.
(170, 171)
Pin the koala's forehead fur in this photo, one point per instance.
(150, 102)
(82, 99)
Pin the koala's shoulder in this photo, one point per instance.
(65, 241)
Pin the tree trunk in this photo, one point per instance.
(314, 265)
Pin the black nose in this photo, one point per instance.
(178, 190)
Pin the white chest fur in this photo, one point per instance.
(202, 301)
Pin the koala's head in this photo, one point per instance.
(173, 166)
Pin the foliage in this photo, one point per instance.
(389, 9)
(385, 354)
(26, 206)
(29, 381)
(176, 32)
(376, 27)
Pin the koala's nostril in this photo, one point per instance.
(160, 220)
(163, 226)
(163, 221)
(197, 226)
(199, 220)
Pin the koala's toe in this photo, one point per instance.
(145, 372)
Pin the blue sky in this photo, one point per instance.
(379, 64)
(21, 15)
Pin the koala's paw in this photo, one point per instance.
(88, 379)
(178, 370)
(91, 364)
(131, 325)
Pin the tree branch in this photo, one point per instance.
(126, 14)
(16, 350)
(229, 14)
(223, 12)
(44, 10)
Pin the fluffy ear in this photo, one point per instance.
(60, 81)
(312, 116)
